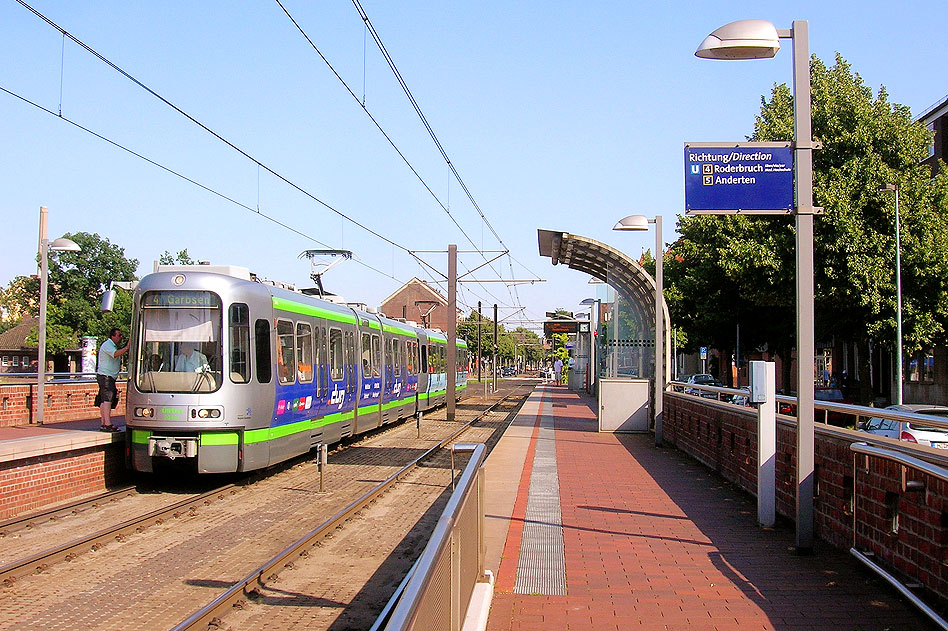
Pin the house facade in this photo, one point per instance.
(419, 302)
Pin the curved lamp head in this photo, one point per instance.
(632, 222)
(64, 245)
(588, 301)
(744, 39)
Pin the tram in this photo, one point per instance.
(232, 374)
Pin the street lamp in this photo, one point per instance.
(759, 39)
(639, 223)
(898, 295)
(59, 245)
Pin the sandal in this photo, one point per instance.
(109, 428)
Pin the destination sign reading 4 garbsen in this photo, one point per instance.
(738, 177)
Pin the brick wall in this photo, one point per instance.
(33, 483)
(723, 437)
(64, 402)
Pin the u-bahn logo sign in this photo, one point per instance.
(747, 177)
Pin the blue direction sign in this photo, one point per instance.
(738, 177)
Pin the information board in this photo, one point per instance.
(752, 178)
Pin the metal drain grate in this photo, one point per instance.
(541, 568)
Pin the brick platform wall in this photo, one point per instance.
(723, 437)
(64, 402)
(33, 483)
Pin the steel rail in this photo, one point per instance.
(22, 522)
(210, 613)
(40, 561)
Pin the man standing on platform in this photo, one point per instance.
(108, 369)
(557, 371)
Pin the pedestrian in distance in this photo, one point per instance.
(107, 370)
(557, 371)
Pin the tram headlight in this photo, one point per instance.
(208, 413)
(145, 412)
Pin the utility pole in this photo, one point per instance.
(495, 348)
(452, 355)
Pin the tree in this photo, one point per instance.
(76, 283)
(741, 268)
(181, 258)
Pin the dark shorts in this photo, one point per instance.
(107, 391)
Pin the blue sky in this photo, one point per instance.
(562, 116)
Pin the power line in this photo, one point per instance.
(365, 109)
(180, 111)
(431, 132)
(177, 174)
(207, 129)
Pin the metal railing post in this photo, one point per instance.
(767, 449)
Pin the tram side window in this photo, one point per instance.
(409, 357)
(366, 355)
(350, 347)
(442, 356)
(239, 343)
(323, 362)
(262, 344)
(376, 356)
(424, 358)
(286, 356)
(304, 352)
(335, 355)
(396, 360)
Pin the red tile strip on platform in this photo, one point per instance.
(653, 540)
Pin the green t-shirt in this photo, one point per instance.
(108, 364)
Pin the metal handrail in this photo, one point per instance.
(59, 376)
(858, 411)
(933, 470)
(404, 612)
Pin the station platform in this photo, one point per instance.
(28, 441)
(589, 530)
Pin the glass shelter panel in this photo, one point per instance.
(626, 335)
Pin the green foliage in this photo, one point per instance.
(181, 258)
(734, 269)
(76, 283)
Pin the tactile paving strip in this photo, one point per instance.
(541, 568)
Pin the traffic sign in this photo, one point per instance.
(747, 177)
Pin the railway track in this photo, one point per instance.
(68, 551)
(210, 615)
(32, 520)
(347, 466)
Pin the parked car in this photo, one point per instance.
(508, 371)
(743, 399)
(830, 395)
(911, 431)
(705, 380)
(683, 378)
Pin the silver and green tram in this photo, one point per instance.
(230, 374)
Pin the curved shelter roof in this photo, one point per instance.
(609, 265)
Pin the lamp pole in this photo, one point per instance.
(759, 39)
(898, 295)
(59, 245)
(41, 349)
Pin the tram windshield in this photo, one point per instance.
(180, 349)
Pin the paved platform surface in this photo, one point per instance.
(650, 539)
(26, 441)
